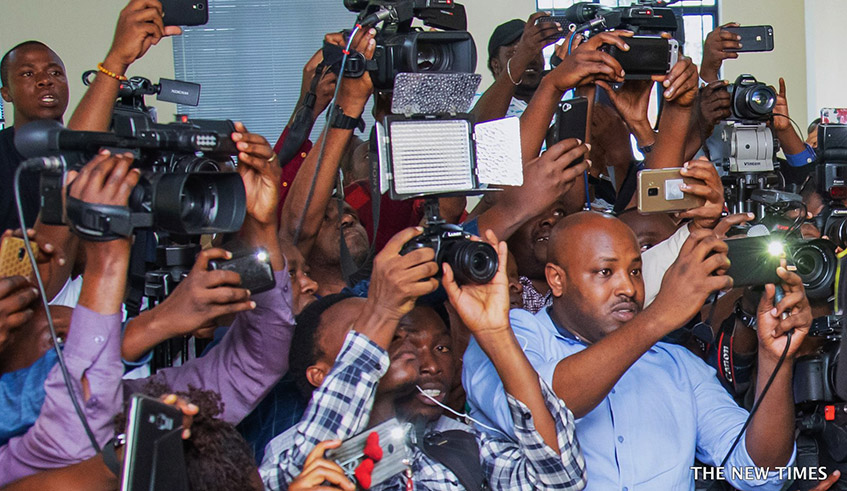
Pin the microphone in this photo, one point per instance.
(47, 136)
(39, 164)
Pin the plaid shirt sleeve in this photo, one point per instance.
(529, 463)
(339, 409)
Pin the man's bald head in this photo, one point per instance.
(576, 233)
(594, 273)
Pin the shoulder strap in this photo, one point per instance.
(457, 450)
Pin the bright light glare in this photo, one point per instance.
(262, 256)
(398, 433)
(776, 249)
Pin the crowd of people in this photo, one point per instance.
(576, 367)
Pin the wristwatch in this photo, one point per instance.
(748, 320)
(343, 122)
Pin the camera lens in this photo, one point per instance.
(761, 100)
(816, 264)
(836, 230)
(198, 203)
(183, 164)
(432, 57)
(472, 262)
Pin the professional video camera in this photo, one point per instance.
(185, 187)
(831, 173)
(640, 17)
(820, 392)
(401, 48)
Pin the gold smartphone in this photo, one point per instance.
(13, 257)
(659, 192)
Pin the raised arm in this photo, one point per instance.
(92, 350)
(495, 101)
(583, 66)
(295, 217)
(139, 27)
(675, 123)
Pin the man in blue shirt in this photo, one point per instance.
(646, 408)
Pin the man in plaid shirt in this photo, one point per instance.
(400, 346)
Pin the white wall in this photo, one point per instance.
(80, 32)
(787, 60)
(826, 60)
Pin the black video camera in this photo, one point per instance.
(641, 19)
(402, 49)
(754, 259)
(187, 186)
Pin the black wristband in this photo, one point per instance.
(110, 458)
(343, 122)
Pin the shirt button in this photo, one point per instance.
(625, 489)
(613, 391)
(284, 184)
(303, 155)
(99, 339)
(620, 439)
(285, 288)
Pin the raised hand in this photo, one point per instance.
(17, 305)
(692, 278)
(720, 45)
(708, 215)
(482, 307)
(586, 64)
(396, 283)
(139, 27)
(260, 172)
(195, 303)
(772, 327)
(681, 83)
(715, 103)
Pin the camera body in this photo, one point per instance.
(403, 49)
(751, 100)
(253, 267)
(187, 185)
(471, 261)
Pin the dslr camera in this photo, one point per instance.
(403, 49)
(471, 261)
(831, 174)
(749, 145)
(187, 185)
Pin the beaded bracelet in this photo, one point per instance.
(102, 69)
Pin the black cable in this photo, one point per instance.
(756, 404)
(60, 358)
(796, 126)
(329, 117)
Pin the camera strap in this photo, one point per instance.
(458, 451)
(101, 223)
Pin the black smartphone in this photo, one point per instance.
(753, 38)
(153, 456)
(254, 267)
(571, 121)
(647, 56)
(185, 12)
(753, 260)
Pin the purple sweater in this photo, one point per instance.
(250, 359)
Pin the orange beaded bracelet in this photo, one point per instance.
(115, 76)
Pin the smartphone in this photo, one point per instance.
(647, 56)
(571, 122)
(254, 267)
(14, 260)
(659, 192)
(753, 260)
(753, 38)
(396, 451)
(562, 20)
(185, 12)
(153, 456)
